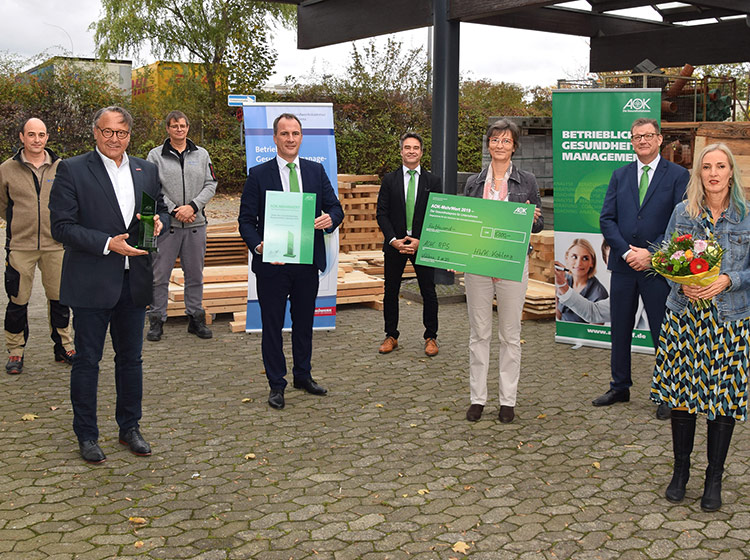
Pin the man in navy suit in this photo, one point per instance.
(276, 282)
(402, 202)
(639, 202)
(94, 211)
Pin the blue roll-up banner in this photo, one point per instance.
(318, 144)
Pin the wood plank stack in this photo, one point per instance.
(542, 257)
(224, 246)
(358, 287)
(370, 262)
(359, 231)
(540, 301)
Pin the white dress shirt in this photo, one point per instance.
(122, 182)
(405, 171)
(284, 172)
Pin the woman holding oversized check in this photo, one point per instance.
(504, 182)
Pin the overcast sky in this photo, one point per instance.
(528, 58)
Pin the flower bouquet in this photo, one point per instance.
(688, 261)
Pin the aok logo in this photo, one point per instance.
(637, 105)
(520, 210)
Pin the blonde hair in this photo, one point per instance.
(580, 242)
(695, 194)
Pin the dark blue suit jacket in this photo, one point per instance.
(84, 212)
(265, 177)
(625, 222)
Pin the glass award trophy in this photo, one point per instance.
(146, 237)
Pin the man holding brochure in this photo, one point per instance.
(276, 281)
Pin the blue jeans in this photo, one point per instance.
(125, 322)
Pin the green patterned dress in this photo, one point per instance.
(702, 363)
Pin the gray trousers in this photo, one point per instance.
(190, 245)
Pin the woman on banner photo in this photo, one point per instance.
(579, 275)
(501, 181)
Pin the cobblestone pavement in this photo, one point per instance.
(383, 467)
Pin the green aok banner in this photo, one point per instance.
(591, 138)
(468, 234)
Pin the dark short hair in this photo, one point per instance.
(284, 116)
(644, 121)
(22, 130)
(502, 125)
(115, 109)
(176, 116)
(406, 135)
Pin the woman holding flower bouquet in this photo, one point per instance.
(703, 355)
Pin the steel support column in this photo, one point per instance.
(445, 104)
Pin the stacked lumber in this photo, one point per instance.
(540, 301)
(370, 262)
(224, 246)
(358, 287)
(218, 296)
(359, 230)
(542, 257)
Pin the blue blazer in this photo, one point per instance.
(625, 222)
(84, 213)
(265, 177)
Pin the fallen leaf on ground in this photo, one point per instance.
(54, 407)
(461, 547)
(597, 465)
(378, 405)
(250, 456)
(247, 400)
(541, 416)
(29, 416)
(137, 520)
(423, 491)
(138, 544)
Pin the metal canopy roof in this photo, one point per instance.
(694, 31)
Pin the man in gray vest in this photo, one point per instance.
(188, 182)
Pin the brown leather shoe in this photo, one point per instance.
(430, 347)
(389, 345)
(475, 412)
(506, 414)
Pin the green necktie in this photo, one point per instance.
(643, 187)
(293, 181)
(411, 192)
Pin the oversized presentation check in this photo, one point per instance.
(289, 227)
(468, 234)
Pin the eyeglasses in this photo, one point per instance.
(178, 126)
(108, 133)
(503, 141)
(648, 137)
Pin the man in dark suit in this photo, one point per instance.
(636, 210)
(402, 202)
(277, 282)
(94, 210)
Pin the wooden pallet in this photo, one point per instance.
(359, 230)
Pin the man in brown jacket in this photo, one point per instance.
(25, 183)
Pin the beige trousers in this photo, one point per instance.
(480, 291)
(19, 280)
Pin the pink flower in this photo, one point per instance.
(700, 245)
(677, 255)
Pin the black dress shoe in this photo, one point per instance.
(663, 412)
(91, 452)
(134, 440)
(310, 386)
(276, 399)
(506, 414)
(611, 397)
(474, 413)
